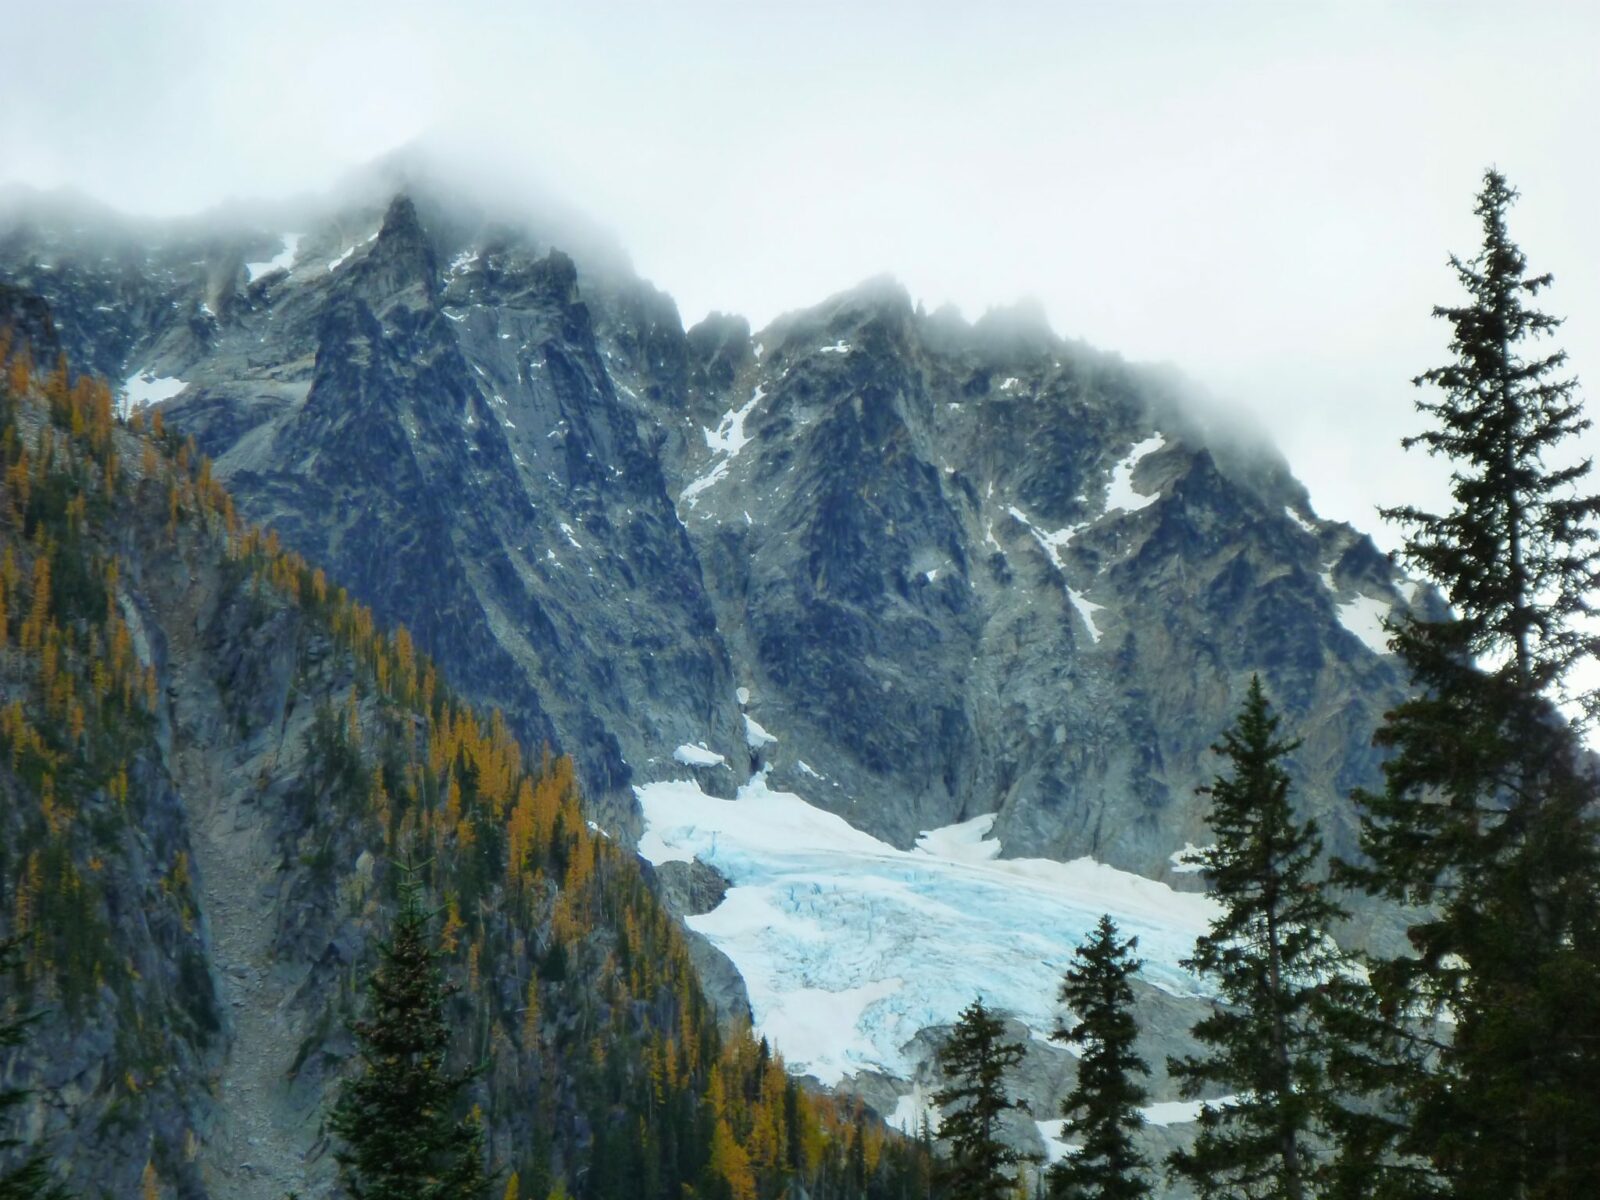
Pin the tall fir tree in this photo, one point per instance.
(974, 1060)
(28, 1176)
(1279, 977)
(1486, 1036)
(1102, 1110)
(396, 1117)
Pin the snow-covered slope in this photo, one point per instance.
(850, 947)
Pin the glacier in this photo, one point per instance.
(849, 946)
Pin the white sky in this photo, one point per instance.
(1262, 194)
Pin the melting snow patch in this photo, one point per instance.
(755, 736)
(807, 769)
(839, 347)
(281, 261)
(697, 756)
(341, 260)
(1363, 616)
(909, 1112)
(742, 695)
(461, 261)
(1087, 609)
(1120, 493)
(849, 946)
(567, 529)
(1054, 1148)
(968, 841)
(692, 492)
(142, 388)
(1180, 1112)
(1183, 860)
(727, 439)
(730, 437)
(1304, 524)
(1009, 382)
(1053, 541)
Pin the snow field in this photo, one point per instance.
(1121, 496)
(282, 261)
(142, 388)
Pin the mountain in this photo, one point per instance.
(216, 768)
(916, 573)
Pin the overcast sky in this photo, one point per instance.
(1261, 194)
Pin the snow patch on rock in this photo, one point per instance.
(1363, 616)
(726, 440)
(282, 261)
(143, 388)
(691, 755)
(1121, 495)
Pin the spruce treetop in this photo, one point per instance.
(1517, 555)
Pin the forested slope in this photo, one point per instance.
(213, 760)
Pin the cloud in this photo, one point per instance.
(1262, 194)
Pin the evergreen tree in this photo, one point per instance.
(1102, 1110)
(29, 1178)
(974, 1061)
(1277, 972)
(1487, 1037)
(401, 1141)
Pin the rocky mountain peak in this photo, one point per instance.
(400, 267)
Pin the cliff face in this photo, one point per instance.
(957, 569)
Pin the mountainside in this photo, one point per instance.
(213, 761)
(959, 569)
(910, 571)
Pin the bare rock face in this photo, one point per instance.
(960, 569)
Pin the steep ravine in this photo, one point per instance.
(259, 1146)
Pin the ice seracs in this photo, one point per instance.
(691, 755)
(755, 736)
(823, 918)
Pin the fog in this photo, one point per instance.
(1263, 195)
